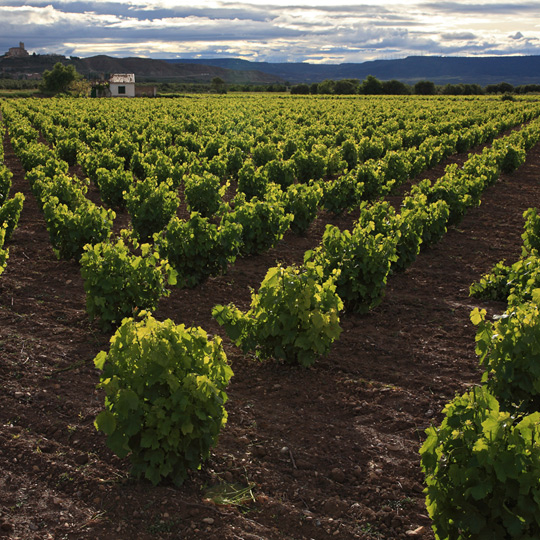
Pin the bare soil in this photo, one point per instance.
(330, 451)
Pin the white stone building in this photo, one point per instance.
(122, 85)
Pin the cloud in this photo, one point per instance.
(458, 36)
(483, 8)
(270, 29)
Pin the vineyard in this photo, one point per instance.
(309, 260)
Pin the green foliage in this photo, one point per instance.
(69, 190)
(5, 183)
(509, 350)
(165, 397)
(302, 201)
(370, 148)
(263, 153)
(105, 159)
(4, 252)
(363, 259)
(197, 249)
(59, 78)
(204, 194)
(396, 168)
(251, 181)
(151, 206)
(482, 468)
(308, 165)
(138, 165)
(113, 184)
(10, 212)
(119, 283)
(349, 153)
(68, 148)
(531, 235)
(263, 224)
(460, 189)
(71, 229)
(433, 217)
(372, 180)
(293, 317)
(234, 161)
(515, 283)
(280, 172)
(343, 193)
(34, 154)
(502, 280)
(510, 156)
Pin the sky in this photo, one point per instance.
(272, 30)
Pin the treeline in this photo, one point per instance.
(373, 86)
(369, 86)
(15, 84)
(204, 88)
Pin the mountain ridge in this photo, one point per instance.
(145, 69)
(515, 70)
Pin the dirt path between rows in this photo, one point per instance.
(329, 452)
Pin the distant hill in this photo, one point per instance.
(145, 69)
(515, 70)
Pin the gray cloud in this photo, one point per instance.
(332, 33)
(488, 8)
(458, 36)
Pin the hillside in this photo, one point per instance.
(515, 70)
(144, 69)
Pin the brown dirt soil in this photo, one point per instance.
(330, 451)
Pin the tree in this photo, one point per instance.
(79, 88)
(347, 86)
(501, 88)
(300, 89)
(425, 88)
(326, 87)
(371, 86)
(59, 79)
(395, 88)
(218, 85)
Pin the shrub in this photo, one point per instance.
(112, 184)
(10, 212)
(4, 252)
(151, 206)
(343, 193)
(263, 224)
(251, 181)
(5, 183)
(434, 217)
(293, 317)
(70, 230)
(165, 397)
(363, 259)
(280, 172)
(67, 189)
(302, 201)
(309, 166)
(264, 153)
(119, 283)
(204, 194)
(531, 235)
(509, 350)
(197, 249)
(482, 468)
